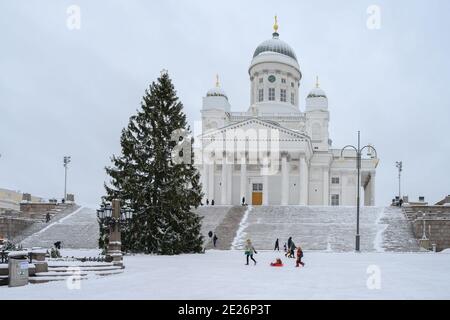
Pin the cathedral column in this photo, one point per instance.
(372, 189)
(211, 173)
(243, 178)
(205, 179)
(367, 193)
(223, 187)
(265, 182)
(284, 181)
(303, 167)
(326, 187)
(230, 169)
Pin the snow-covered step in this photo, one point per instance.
(327, 228)
(37, 280)
(85, 268)
(77, 230)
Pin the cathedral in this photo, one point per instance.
(275, 153)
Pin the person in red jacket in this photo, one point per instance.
(277, 263)
(299, 257)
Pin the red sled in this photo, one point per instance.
(276, 264)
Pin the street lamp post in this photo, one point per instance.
(114, 217)
(66, 161)
(359, 151)
(399, 165)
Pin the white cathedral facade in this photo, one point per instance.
(276, 153)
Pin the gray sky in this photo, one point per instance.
(72, 91)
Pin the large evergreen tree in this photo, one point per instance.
(162, 192)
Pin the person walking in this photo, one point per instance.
(289, 251)
(215, 240)
(277, 245)
(207, 202)
(47, 217)
(212, 202)
(249, 250)
(292, 250)
(299, 257)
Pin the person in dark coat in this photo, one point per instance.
(207, 202)
(289, 251)
(277, 245)
(47, 217)
(57, 245)
(212, 202)
(243, 201)
(292, 250)
(215, 240)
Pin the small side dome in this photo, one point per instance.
(316, 99)
(216, 98)
(317, 93)
(217, 92)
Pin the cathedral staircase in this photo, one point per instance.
(223, 221)
(76, 230)
(327, 228)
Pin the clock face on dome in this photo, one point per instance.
(272, 78)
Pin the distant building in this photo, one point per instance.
(444, 202)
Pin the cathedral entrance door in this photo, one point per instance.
(257, 194)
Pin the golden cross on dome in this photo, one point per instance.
(217, 81)
(317, 81)
(275, 26)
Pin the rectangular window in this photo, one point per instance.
(257, 187)
(283, 95)
(292, 98)
(335, 180)
(283, 80)
(292, 84)
(271, 94)
(261, 95)
(334, 199)
(260, 80)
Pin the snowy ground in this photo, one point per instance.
(223, 275)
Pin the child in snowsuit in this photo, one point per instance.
(249, 250)
(277, 263)
(299, 257)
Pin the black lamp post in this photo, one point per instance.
(359, 151)
(114, 217)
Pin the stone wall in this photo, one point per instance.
(11, 227)
(37, 207)
(438, 231)
(437, 224)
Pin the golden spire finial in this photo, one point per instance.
(275, 26)
(217, 81)
(317, 81)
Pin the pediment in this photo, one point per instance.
(255, 125)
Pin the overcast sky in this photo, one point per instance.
(70, 92)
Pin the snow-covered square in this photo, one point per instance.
(224, 275)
